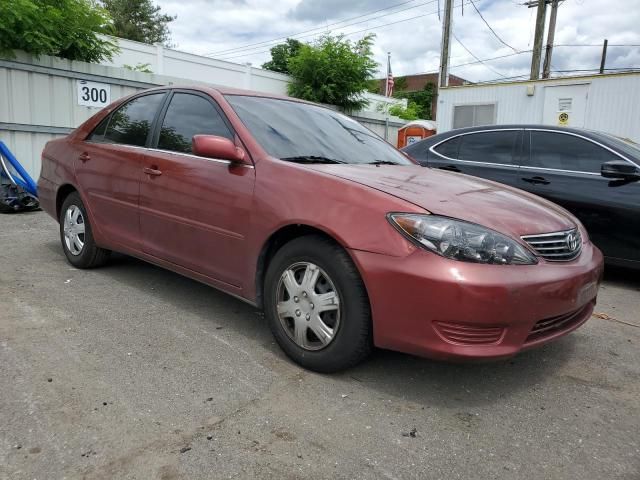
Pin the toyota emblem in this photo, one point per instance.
(572, 242)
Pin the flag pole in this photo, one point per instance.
(386, 94)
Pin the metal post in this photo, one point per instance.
(444, 53)
(546, 70)
(537, 43)
(604, 55)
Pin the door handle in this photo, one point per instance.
(153, 171)
(536, 180)
(84, 157)
(450, 168)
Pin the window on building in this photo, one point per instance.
(474, 115)
(567, 152)
(190, 115)
(490, 147)
(131, 123)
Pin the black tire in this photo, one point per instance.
(90, 256)
(353, 339)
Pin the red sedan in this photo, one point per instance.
(344, 241)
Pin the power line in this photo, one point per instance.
(490, 59)
(489, 26)
(226, 56)
(301, 34)
(471, 53)
(347, 34)
(617, 69)
(594, 45)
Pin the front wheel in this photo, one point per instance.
(317, 305)
(76, 235)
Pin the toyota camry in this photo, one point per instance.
(344, 242)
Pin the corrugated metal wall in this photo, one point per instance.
(38, 100)
(613, 103)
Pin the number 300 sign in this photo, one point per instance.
(92, 94)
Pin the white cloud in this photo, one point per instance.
(205, 26)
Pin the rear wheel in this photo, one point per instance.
(76, 235)
(317, 305)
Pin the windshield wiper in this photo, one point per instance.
(383, 162)
(311, 159)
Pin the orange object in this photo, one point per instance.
(415, 131)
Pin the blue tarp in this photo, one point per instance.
(15, 172)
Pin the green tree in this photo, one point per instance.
(139, 20)
(409, 113)
(139, 67)
(280, 55)
(422, 100)
(334, 71)
(62, 28)
(399, 84)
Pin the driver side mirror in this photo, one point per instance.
(620, 170)
(212, 146)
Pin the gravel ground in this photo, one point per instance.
(130, 371)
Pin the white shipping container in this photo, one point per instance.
(608, 103)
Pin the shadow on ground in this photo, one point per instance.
(392, 374)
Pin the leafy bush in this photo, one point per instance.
(62, 28)
(333, 71)
(409, 113)
(280, 55)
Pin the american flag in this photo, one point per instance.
(389, 89)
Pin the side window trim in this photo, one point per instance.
(432, 148)
(528, 157)
(99, 138)
(157, 126)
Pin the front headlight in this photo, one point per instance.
(461, 240)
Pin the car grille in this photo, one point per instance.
(468, 334)
(556, 246)
(549, 326)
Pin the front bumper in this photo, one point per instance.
(431, 306)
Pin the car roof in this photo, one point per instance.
(580, 131)
(230, 91)
(600, 137)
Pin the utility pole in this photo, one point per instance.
(550, 37)
(444, 53)
(537, 43)
(604, 55)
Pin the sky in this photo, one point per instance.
(242, 31)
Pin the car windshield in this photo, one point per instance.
(626, 146)
(305, 133)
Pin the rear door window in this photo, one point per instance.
(489, 147)
(561, 151)
(131, 123)
(98, 133)
(449, 148)
(190, 115)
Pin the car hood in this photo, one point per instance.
(499, 207)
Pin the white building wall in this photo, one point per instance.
(174, 63)
(613, 102)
